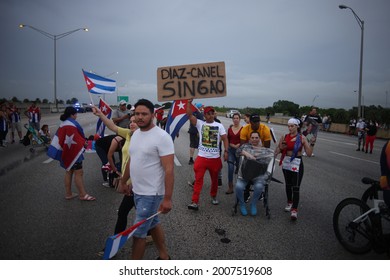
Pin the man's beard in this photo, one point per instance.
(145, 124)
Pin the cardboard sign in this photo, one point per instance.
(191, 81)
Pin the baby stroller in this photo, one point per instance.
(32, 138)
(250, 169)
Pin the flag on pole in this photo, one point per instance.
(67, 145)
(115, 243)
(106, 110)
(97, 84)
(177, 117)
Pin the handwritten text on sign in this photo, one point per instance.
(191, 81)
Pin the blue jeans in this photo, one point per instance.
(233, 161)
(258, 185)
(146, 206)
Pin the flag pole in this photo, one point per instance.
(90, 96)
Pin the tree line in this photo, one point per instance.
(376, 113)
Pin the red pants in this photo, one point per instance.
(370, 140)
(213, 165)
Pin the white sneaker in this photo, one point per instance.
(214, 200)
(106, 184)
(294, 214)
(304, 154)
(288, 207)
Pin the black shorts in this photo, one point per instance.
(77, 166)
(194, 140)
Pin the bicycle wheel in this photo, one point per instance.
(355, 237)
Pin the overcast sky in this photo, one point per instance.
(305, 51)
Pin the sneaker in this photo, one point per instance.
(243, 210)
(219, 182)
(294, 214)
(106, 167)
(214, 200)
(193, 206)
(191, 161)
(304, 154)
(106, 184)
(288, 207)
(312, 154)
(253, 209)
(191, 184)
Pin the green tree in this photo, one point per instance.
(15, 99)
(286, 107)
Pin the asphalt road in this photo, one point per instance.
(37, 223)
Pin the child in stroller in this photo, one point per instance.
(32, 138)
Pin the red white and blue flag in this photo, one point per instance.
(177, 117)
(67, 145)
(99, 85)
(115, 243)
(106, 110)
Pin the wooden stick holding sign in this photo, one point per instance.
(205, 80)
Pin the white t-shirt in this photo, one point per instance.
(146, 171)
(209, 138)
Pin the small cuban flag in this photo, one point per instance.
(115, 243)
(106, 110)
(177, 117)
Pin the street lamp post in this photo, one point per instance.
(54, 38)
(361, 24)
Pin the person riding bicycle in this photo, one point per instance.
(385, 172)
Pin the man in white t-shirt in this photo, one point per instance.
(151, 167)
(211, 133)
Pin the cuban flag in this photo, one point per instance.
(177, 117)
(67, 145)
(99, 85)
(106, 110)
(115, 243)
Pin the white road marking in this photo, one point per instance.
(48, 160)
(177, 162)
(344, 155)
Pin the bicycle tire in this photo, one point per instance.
(354, 237)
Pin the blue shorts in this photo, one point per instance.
(146, 206)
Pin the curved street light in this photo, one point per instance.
(54, 38)
(361, 25)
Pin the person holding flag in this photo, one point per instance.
(211, 135)
(151, 166)
(67, 147)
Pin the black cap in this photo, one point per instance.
(254, 118)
